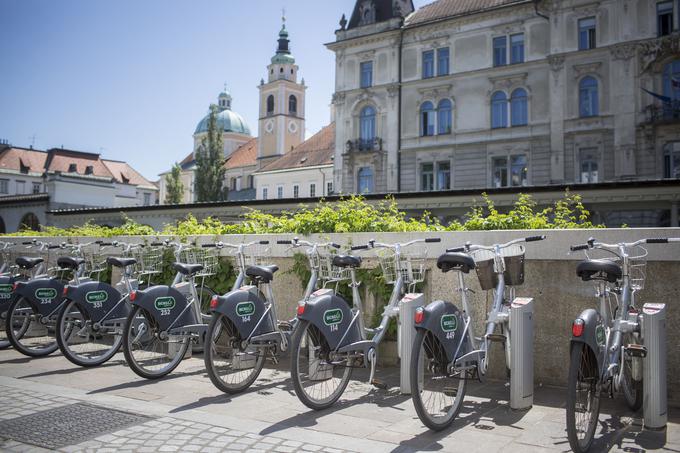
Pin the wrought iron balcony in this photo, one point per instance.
(666, 113)
(360, 144)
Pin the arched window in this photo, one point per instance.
(589, 104)
(427, 119)
(671, 80)
(29, 222)
(671, 160)
(499, 110)
(365, 180)
(292, 104)
(367, 126)
(270, 104)
(444, 117)
(519, 113)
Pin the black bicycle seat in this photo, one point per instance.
(599, 270)
(28, 262)
(346, 261)
(120, 262)
(455, 261)
(264, 274)
(69, 262)
(187, 269)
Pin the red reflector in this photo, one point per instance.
(301, 309)
(133, 296)
(420, 316)
(213, 302)
(577, 327)
(64, 291)
(15, 286)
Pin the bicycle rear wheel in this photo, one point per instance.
(583, 398)
(26, 333)
(145, 352)
(437, 395)
(318, 378)
(78, 341)
(232, 366)
(4, 341)
(632, 369)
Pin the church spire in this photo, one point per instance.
(283, 55)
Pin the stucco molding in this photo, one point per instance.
(581, 70)
(508, 83)
(658, 49)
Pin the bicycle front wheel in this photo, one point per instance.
(319, 379)
(78, 341)
(231, 365)
(437, 395)
(632, 376)
(583, 398)
(4, 341)
(146, 353)
(25, 331)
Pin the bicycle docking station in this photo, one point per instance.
(522, 353)
(406, 334)
(654, 402)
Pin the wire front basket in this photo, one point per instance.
(254, 255)
(323, 262)
(207, 257)
(637, 263)
(149, 261)
(411, 265)
(513, 258)
(95, 260)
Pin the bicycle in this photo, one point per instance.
(245, 327)
(606, 349)
(331, 338)
(7, 278)
(446, 352)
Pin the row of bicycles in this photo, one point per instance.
(53, 296)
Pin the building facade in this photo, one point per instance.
(506, 93)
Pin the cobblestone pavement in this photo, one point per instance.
(185, 412)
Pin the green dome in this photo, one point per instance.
(282, 58)
(228, 120)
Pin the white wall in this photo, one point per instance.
(287, 179)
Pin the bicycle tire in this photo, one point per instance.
(16, 337)
(582, 365)
(631, 389)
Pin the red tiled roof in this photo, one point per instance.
(244, 156)
(317, 150)
(14, 158)
(448, 8)
(124, 173)
(61, 159)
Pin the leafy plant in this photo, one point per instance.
(210, 162)
(174, 186)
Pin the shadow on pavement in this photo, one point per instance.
(20, 360)
(627, 436)
(145, 382)
(75, 369)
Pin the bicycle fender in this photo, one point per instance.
(245, 307)
(593, 334)
(97, 299)
(43, 294)
(332, 316)
(6, 291)
(446, 323)
(166, 306)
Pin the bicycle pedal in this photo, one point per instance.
(636, 350)
(496, 337)
(379, 384)
(451, 392)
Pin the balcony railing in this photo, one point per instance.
(668, 112)
(360, 144)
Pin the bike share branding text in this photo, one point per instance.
(165, 305)
(333, 318)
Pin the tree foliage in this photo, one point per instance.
(174, 186)
(210, 162)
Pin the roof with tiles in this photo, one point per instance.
(244, 156)
(125, 174)
(317, 150)
(443, 9)
(13, 158)
(63, 160)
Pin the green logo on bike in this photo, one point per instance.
(332, 317)
(45, 293)
(95, 297)
(449, 323)
(600, 335)
(6, 291)
(165, 303)
(245, 308)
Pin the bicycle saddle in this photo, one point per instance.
(28, 262)
(120, 262)
(455, 262)
(346, 261)
(264, 274)
(69, 262)
(187, 269)
(599, 270)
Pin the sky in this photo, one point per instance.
(131, 79)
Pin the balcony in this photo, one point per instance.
(360, 144)
(666, 113)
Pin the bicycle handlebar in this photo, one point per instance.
(472, 247)
(593, 243)
(373, 244)
(360, 247)
(455, 250)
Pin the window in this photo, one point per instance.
(29, 222)
(296, 191)
(265, 193)
(517, 48)
(444, 117)
(588, 97)
(589, 165)
(443, 176)
(21, 187)
(4, 186)
(586, 33)
(671, 80)
(279, 192)
(89, 170)
(292, 104)
(329, 188)
(312, 190)
(72, 168)
(443, 61)
(664, 18)
(367, 127)
(519, 115)
(515, 175)
(366, 74)
(365, 180)
(251, 182)
(500, 51)
(36, 187)
(428, 64)
(427, 177)
(426, 119)
(238, 183)
(499, 110)
(147, 199)
(671, 160)
(232, 184)
(270, 105)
